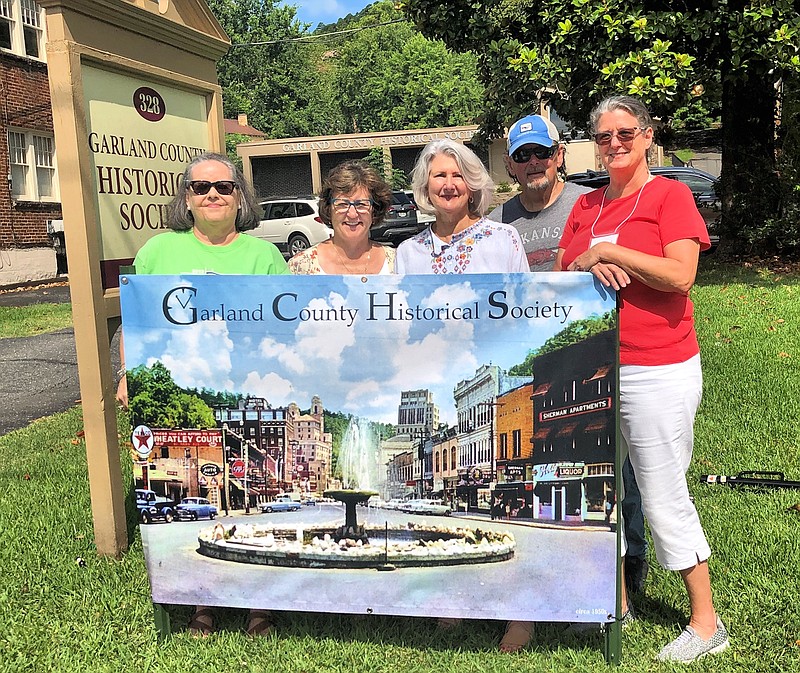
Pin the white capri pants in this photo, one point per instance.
(657, 409)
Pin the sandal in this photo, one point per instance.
(448, 623)
(518, 635)
(259, 623)
(202, 622)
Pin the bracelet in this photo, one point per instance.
(121, 372)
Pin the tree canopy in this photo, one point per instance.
(576, 331)
(391, 77)
(157, 401)
(720, 54)
(278, 83)
(380, 75)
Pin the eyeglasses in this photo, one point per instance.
(202, 187)
(343, 205)
(624, 135)
(523, 154)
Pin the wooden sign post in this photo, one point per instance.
(135, 97)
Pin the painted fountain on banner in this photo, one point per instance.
(353, 545)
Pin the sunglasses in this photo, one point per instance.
(624, 135)
(523, 154)
(202, 187)
(343, 205)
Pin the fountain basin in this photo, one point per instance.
(315, 546)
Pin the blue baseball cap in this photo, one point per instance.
(533, 129)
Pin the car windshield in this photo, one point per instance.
(400, 198)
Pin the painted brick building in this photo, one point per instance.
(31, 232)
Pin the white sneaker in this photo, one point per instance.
(689, 647)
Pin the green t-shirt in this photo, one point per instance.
(176, 252)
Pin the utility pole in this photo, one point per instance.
(225, 466)
(246, 452)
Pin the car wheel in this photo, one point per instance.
(211, 515)
(168, 517)
(268, 510)
(194, 516)
(297, 243)
(144, 517)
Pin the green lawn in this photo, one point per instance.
(19, 321)
(56, 615)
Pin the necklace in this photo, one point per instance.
(344, 264)
(619, 226)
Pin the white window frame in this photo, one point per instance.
(22, 15)
(33, 164)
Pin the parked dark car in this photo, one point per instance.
(400, 222)
(702, 184)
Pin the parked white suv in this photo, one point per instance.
(293, 224)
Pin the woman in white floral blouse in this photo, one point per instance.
(450, 181)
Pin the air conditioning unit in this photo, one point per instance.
(55, 226)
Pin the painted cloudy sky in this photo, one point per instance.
(359, 368)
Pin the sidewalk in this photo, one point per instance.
(39, 374)
(534, 523)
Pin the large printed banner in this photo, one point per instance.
(297, 435)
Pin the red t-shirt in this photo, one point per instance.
(656, 328)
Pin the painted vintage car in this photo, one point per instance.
(152, 507)
(425, 506)
(280, 504)
(193, 509)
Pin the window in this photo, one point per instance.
(516, 439)
(504, 445)
(304, 209)
(22, 28)
(33, 172)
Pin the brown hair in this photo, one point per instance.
(345, 179)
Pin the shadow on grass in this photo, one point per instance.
(416, 633)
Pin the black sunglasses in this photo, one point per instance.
(523, 154)
(202, 187)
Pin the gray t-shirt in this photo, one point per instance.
(540, 231)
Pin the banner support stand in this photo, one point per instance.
(162, 621)
(612, 646)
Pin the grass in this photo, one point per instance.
(56, 615)
(21, 321)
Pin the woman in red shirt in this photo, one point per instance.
(642, 236)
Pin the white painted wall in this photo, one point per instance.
(20, 265)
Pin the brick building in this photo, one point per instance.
(31, 231)
(513, 449)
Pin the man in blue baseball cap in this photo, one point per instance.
(535, 160)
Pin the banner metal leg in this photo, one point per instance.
(612, 647)
(162, 620)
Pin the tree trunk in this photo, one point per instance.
(748, 185)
